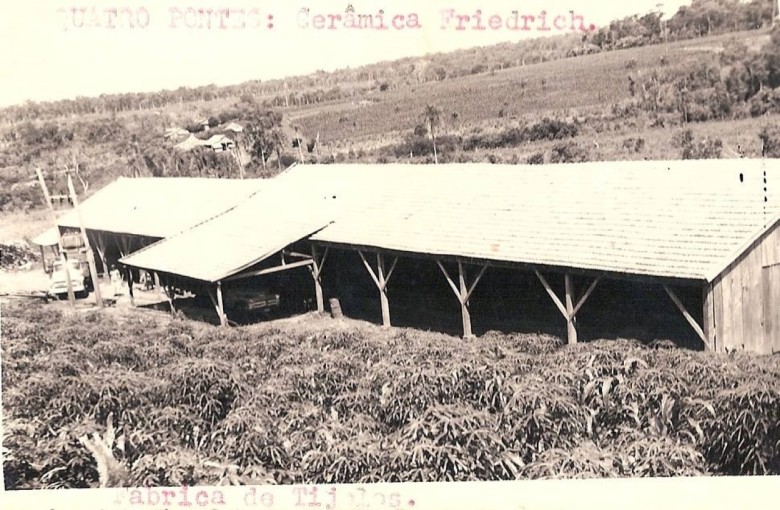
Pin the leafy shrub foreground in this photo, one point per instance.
(325, 403)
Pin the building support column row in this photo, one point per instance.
(463, 290)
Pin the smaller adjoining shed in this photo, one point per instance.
(256, 237)
(131, 213)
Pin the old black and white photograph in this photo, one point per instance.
(329, 244)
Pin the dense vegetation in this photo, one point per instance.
(323, 402)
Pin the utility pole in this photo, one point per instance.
(90, 255)
(63, 260)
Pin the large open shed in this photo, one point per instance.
(710, 227)
(131, 213)
(702, 236)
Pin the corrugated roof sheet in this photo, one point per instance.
(159, 206)
(680, 219)
(293, 206)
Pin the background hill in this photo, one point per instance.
(700, 84)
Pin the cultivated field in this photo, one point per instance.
(585, 84)
(313, 399)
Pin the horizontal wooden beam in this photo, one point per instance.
(296, 254)
(275, 269)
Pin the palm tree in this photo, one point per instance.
(432, 116)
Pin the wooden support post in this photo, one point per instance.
(316, 271)
(168, 291)
(464, 308)
(463, 293)
(62, 257)
(688, 318)
(43, 259)
(381, 280)
(170, 296)
(221, 306)
(380, 266)
(569, 310)
(215, 295)
(129, 285)
(571, 330)
(124, 246)
(100, 246)
(66, 266)
(89, 254)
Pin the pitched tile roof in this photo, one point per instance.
(158, 206)
(680, 219)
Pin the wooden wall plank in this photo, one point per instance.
(770, 248)
(708, 316)
(740, 299)
(727, 332)
(771, 309)
(717, 312)
(752, 300)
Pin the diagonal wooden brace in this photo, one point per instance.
(688, 317)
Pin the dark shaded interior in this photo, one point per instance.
(510, 300)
